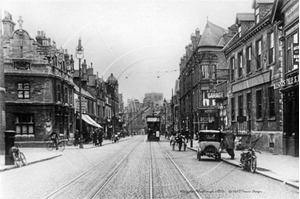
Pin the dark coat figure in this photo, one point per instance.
(54, 138)
(228, 143)
(76, 137)
(179, 140)
(100, 137)
(95, 137)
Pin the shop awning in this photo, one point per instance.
(90, 121)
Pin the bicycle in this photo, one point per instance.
(61, 145)
(18, 156)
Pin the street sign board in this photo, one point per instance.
(83, 104)
(215, 95)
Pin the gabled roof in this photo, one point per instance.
(244, 17)
(212, 35)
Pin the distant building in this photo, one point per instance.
(156, 98)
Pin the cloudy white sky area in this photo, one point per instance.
(139, 41)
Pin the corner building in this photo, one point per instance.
(38, 83)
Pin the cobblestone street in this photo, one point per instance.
(122, 170)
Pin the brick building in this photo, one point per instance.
(39, 85)
(252, 62)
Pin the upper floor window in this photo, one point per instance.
(258, 54)
(271, 48)
(240, 30)
(66, 95)
(240, 67)
(232, 68)
(248, 57)
(58, 92)
(206, 101)
(23, 90)
(205, 72)
(259, 104)
(257, 15)
(292, 52)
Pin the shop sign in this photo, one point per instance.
(215, 95)
(287, 82)
(83, 105)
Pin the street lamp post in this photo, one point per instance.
(79, 56)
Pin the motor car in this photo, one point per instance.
(209, 144)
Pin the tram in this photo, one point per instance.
(153, 127)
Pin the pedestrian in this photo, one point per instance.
(94, 136)
(179, 140)
(54, 138)
(76, 137)
(228, 143)
(100, 137)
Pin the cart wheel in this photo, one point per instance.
(253, 165)
(17, 160)
(23, 159)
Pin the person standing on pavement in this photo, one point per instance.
(100, 137)
(94, 136)
(54, 138)
(76, 137)
(228, 143)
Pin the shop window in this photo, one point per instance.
(259, 104)
(24, 124)
(271, 96)
(23, 90)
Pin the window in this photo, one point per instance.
(24, 124)
(259, 104)
(23, 90)
(240, 30)
(271, 96)
(240, 60)
(205, 73)
(232, 69)
(66, 95)
(70, 97)
(213, 72)
(232, 109)
(240, 104)
(258, 54)
(205, 100)
(271, 48)
(292, 52)
(58, 92)
(257, 15)
(248, 57)
(249, 102)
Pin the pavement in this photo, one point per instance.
(35, 155)
(282, 168)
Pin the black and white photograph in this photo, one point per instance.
(149, 99)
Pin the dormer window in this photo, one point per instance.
(257, 15)
(240, 30)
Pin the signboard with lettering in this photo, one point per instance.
(83, 104)
(287, 82)
(215, 95)
(152, 119)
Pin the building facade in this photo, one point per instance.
(39, 86)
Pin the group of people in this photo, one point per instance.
(179, 139)
(97, 136)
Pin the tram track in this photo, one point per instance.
(60, 192)
(181, 173)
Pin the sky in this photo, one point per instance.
(140, 42)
